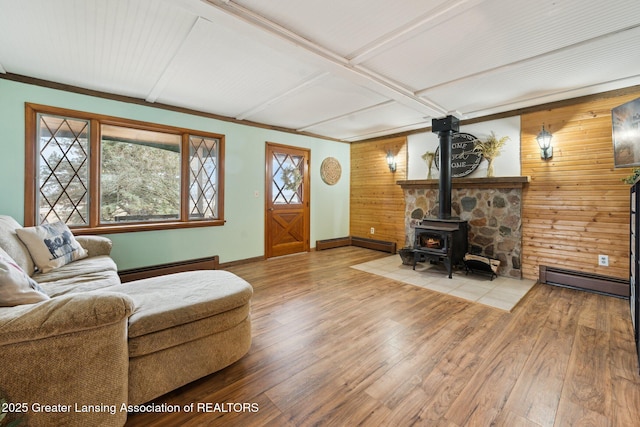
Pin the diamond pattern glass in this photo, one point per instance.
(63, 170)
(287, 178)
(203, 177)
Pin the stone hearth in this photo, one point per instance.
(494, 216)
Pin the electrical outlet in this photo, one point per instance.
(603, 260)
(372, 231)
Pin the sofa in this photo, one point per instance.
(86, 349)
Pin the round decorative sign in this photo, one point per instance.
(330, 170)
(463, 159)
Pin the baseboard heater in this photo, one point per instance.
(378, 245)
(584, 281)
(208, 263)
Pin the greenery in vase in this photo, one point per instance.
(491, 147)
(428, 157)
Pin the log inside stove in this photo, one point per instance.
(432, 240)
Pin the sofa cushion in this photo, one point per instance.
(10, 242)
(180, 334)
(16, 287)
(176, 299)
(85, 283)
(62, 316)
(51, 245)
(78, 268)
(84, 275)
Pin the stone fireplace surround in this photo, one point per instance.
(491, 206)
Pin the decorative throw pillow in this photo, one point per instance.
(51, 245)
(16, 287)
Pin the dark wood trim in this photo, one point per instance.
(525, 110)
(492, 182)
(333, 243)
(208, 263)
(30, 155)
(584, 281)
(95, 159)
(131, 100)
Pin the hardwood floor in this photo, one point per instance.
(340, 347)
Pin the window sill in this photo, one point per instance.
(132, 228)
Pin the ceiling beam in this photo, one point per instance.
(421, 24)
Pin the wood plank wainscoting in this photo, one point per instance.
(576, 206)
(376, 201)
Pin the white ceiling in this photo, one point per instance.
(343, 69)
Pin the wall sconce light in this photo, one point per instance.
(391, 161)
(544, 141)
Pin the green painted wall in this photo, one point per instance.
(241, 237)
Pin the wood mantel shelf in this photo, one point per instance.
(492, 182)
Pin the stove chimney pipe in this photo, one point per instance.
(445, 128)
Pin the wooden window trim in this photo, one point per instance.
(31, 186)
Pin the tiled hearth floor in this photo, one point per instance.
(501, 292)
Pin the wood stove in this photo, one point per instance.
(443, 240)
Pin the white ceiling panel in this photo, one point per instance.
(327, 98)
(234, 72)
(350, 69)
(372, 122)
(343, 26)
(495, 33)
(565, 71)
(119, 47)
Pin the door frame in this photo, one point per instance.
(306, 196)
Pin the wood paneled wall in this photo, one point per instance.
(575, 206)
(376, 200)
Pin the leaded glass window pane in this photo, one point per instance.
(287, 178)
(63, 170)
(203, 177)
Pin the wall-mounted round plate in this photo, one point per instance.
(330, 170)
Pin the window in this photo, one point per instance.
(113, 174)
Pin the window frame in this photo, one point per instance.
(96, 120)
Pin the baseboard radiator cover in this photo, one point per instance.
(208, 263)
(378, 245)
(584, 281)
(338, 242)
(362, 242)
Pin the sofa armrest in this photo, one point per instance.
(66, 314)
(67, 351)
(95, 245)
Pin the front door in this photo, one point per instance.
(287, 200)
